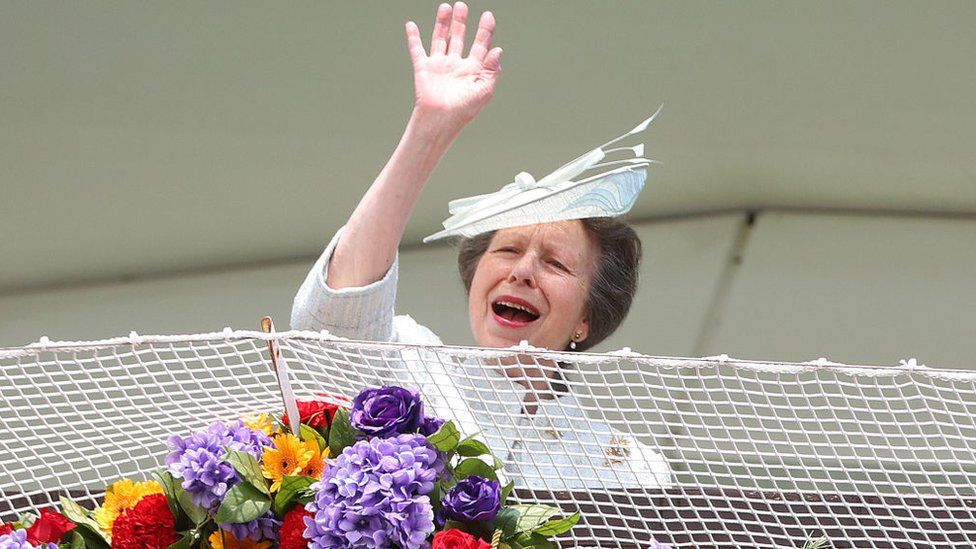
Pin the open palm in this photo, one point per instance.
(445, 82)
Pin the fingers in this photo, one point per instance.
(414, 45)
(492, 61)
(458, 21)
(482, 39)
(438, 41)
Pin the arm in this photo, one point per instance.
(450, 90)
(352, 287)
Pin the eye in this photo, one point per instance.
(557, 264)
(506, 250)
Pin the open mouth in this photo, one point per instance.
(515, 312)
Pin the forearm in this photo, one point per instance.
(449, 92)
(375, 228)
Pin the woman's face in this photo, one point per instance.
(531, 284)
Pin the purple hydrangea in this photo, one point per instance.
(474, 499)
(659, 545)
(199, 459)
(376, 495)
(261, 528)
(18, 540)
(387, 411)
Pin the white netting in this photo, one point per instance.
(760, 454)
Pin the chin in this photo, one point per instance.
(493, 339)
(501, 342)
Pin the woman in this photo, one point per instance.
(563, 285)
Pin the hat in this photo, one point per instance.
(592, 185)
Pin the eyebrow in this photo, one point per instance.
(563, 248)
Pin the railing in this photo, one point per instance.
(755, 454)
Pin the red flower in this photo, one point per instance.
(148, 525)
(50, 527)
(292, 533)
(456, 539)
(6, 529)
(314, 413)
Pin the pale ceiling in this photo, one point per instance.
(140, 138)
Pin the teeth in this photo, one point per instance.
(516, 306)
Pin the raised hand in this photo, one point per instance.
(447, 85)
(450, 90)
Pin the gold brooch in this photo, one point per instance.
(552, 432)
(618, 451)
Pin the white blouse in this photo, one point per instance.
(556, 448)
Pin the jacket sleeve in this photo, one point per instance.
(364, 312)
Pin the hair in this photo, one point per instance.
(614, 282)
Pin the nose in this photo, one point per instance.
(523, 271)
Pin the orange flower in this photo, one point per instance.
(288, 456)
(316, 465)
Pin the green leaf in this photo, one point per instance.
(291, 488)
(249, 469)
(242, 503)
(342, 434)
(308, 432)
(446, 438)
(472, 448)
(23, 521)
(507, 520)
(185, 542)
(180, 503)
(171, 486)
(507, 491)
(86, 526)
(194, 512)
(532, 516)
(92, 539)
(77, 541)
(75, 513)
(534, 541)
(474, 466)
(201, 536)
(516, 520)
(558, 526)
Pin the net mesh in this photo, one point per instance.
(734, 453)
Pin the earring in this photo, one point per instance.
(576, 336)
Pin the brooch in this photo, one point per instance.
(618, 451)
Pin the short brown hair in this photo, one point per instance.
(614, 283)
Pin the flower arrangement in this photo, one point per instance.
(377, 472)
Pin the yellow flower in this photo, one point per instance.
(316, 465)
(288, 456)
(260, 422)
(225, 540)
(122, 496)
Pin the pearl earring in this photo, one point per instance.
(572, 343)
